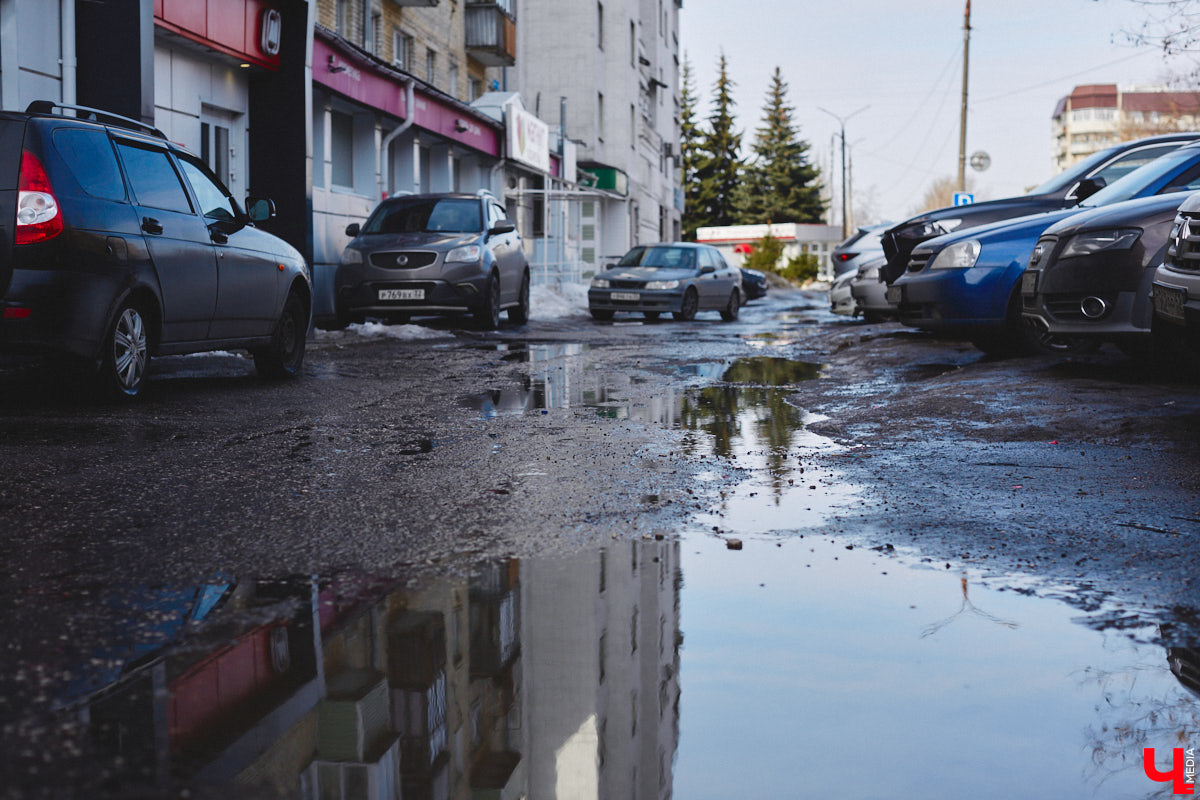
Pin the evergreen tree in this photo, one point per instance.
(780, 184)
(690, 151)
(720, 166)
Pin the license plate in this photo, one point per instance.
(895, 295)
(1029, 282)
(401, 294)
(1168, 302)
(631, 296)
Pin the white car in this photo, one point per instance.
(870, 292)
(840, 299)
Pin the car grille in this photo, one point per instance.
(409, 259)
(627, 284)
(918, 260)
(1183, 248)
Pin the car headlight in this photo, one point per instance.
(1098, 241)
(351, 256)
(652, 285)
(464, 255)
(961, 255)
(599, 283)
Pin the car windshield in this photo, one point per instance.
(1136, 182)
(425, 215)
(666, 257)
(1074, 173)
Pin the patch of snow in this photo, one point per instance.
(558, 302)
(220, 353)
(377, 330)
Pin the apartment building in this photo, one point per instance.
(1096, 116)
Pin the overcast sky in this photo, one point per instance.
(903, 59)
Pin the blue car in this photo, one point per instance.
(967, 284)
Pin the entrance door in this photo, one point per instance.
(222, 146)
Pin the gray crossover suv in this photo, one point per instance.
(434, 254)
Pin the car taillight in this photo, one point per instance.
(846, 256)
(37, 209)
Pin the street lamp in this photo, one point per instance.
(845, 197)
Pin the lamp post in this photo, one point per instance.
(845, 197)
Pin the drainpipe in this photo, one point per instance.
(410, 87)
(67, 33)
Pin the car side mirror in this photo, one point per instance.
(707, 269)
(503, 226)
(353, 229)
(260, 209)
(1088, 187)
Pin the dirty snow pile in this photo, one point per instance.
(558, 301)
(376, 330)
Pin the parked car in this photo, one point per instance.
(125, 246)
(679, 277)
(870, 292)
(1175, 289)
(967, 283)
(754, 284)
(841, 301)
(863, 245)
(1067, 189)
(1090, 274)
(428, 254)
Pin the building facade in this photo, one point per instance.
(736, 241)
(1096, 116)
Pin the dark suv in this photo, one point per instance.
(116, 244)
(434, 254)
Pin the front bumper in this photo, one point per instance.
(944, 299)
(1126, 313)
(660, 301)
(1183, 285)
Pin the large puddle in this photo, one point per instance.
(787, 663)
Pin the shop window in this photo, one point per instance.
(341, 136)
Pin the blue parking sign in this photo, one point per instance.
(963, 198)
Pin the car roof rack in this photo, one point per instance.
(92, 114)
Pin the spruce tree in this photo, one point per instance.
(780, 184)
(690, 151)
(720, 166)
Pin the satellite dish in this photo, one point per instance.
(980, 161)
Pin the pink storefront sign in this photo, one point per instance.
(357, 80)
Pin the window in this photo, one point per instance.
(374, 32)
(632, 44)
(474, 89)
(452, 78)
(600, 116)
(402, 47)
(89, 155)
(632, 126)
(214, 148)
(154, 180)
(343, 18)
(431, 67)
(600, 25)
(214, 202)
(341, 135)
(420, 215)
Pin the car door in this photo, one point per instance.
(507, 247)
(248, 274)
(713, 284)
(176, 238)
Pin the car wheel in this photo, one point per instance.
(651, 315)
(285, 355)
(730, 312)
(519, 314)
(487, 316)
(601, 314)
(126, 353)
(691, 304)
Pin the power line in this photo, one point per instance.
(1063, 78)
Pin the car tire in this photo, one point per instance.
(730, 312)
(600, 314)
(126, 353)
(691, 304)
(284, 356)
(487, 316)
(519, 314)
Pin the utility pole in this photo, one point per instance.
(845, 179)
(962, 125)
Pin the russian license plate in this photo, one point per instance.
(1168, 301)
(895, 295)
(1029, 282)
(401, 294)
(630, 296)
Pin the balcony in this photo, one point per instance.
(491, 33)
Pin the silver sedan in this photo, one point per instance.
(679, 277)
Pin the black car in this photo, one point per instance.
(120, 245)
(1064, 190)
(1090, 274)
(754, 284)
(434, 254)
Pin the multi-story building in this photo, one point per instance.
(1096, 116)
(610, 70)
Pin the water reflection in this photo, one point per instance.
(555, 678)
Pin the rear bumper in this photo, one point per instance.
(67, 311)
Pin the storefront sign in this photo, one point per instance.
(249, 30)
(272, 27)
(528, 138)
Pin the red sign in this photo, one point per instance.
(1183, 770)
